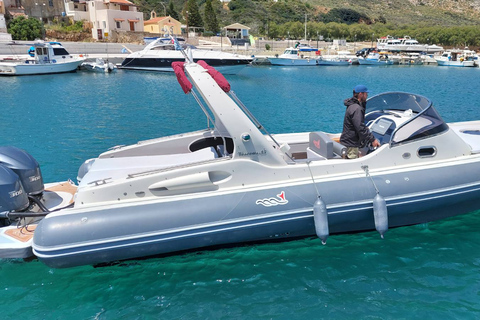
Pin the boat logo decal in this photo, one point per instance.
(316, 143)
(34, 178)
(14, 194)
(270, 202)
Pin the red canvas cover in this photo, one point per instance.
(181, 76)
(217, 76)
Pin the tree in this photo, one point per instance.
(342, 15)
(171, 11)
(193, 16)
(211, 23)
(25, 29)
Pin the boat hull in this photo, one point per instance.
(226, 66)
(16, 242)
(97, 235)
(293, 62)
(444, 63)
(374, 62)
(333, 63)
(22, 69)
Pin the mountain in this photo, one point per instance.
(435, 12)
(258, 13)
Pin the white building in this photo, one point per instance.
(4, 36)
(106, 15)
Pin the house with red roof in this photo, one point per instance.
(162, 25)
(106, 16)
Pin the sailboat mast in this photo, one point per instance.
(305, 27)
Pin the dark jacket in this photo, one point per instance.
(355, 133)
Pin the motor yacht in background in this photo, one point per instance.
(376, 59)
(299, 55)
(159, 54)
(46, 58)
(99, 65)
(333, 61)
(405, 44)
(457, 58)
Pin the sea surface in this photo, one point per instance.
(427, 271)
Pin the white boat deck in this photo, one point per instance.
(469, 132)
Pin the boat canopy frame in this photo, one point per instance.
(425, 121)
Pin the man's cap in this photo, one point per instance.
(360, 88)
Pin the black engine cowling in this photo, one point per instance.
(12, 195)
(25, 166)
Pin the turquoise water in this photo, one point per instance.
(428, 271)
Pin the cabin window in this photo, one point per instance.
(42, 51)
(60, 52)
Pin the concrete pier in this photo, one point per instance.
(114, 52)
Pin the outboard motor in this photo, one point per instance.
(12, 195)
(25, 166)
(84, 168)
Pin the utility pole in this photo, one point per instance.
(305, 27)
(164, 9)
(187, 23)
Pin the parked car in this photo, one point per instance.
(364, 52)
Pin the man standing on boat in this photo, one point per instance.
(355, 134)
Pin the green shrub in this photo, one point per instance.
(25, 29)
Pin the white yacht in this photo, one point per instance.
(99, 66)
(457, 58)
(46, 58)
(376, 59)
(159, 54)
(405, 44)
(300, 55)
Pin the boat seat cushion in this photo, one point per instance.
(321, 144)
(116, 168)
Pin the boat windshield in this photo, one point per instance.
(60, 52)
(397, 101)
(171, 47)
(425, 120)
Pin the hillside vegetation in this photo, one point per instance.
(431, 12)
(398, 12)
(446, 22)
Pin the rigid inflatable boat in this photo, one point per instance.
(234, 183)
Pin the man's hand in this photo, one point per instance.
(376, 143)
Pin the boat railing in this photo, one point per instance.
(225, 86)
(176, 167)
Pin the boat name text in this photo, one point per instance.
(254, 153)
